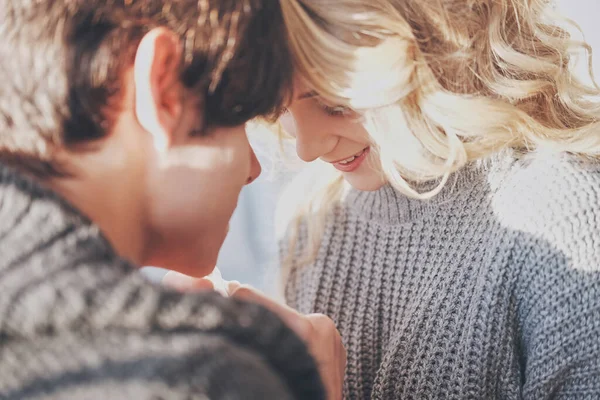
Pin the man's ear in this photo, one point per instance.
(158, 90)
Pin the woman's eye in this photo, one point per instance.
(335, 110)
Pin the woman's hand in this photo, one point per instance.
(316, 330)
(185, 283)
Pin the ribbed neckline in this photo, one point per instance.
(389, 206)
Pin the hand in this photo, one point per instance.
(316, 330)
(185, 283)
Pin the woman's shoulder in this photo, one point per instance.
(552, 201)
(538, 190)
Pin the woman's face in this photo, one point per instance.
(333, 134)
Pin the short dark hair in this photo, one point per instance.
(62, 62)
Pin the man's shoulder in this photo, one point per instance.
(128, 338)
(131, 364)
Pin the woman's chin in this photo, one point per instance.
(369, 182)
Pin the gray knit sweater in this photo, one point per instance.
(490, 291)
(77, 322)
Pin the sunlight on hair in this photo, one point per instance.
(440, 85)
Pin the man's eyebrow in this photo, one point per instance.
(308, 95)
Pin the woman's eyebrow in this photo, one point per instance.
(307, 95)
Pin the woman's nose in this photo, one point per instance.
(307, 148)
(255, 168)
(311, 140)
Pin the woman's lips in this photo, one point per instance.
(352, 163)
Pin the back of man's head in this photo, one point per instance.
(62, 61)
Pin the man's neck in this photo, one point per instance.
(112, 201)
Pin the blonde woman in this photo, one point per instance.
(451, 226)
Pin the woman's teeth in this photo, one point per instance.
(349, 160)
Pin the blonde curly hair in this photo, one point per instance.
(439, 84)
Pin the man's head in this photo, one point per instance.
(134, 111)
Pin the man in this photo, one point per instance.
(122, 144)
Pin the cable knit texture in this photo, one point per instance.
(77, 322)
(489, 291)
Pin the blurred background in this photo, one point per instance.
(249, 254)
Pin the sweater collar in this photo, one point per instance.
(34, 220)
(391, 207)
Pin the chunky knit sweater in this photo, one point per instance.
(78, 322)
(489, 291)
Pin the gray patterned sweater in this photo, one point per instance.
(77, 322)
(489, 291)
